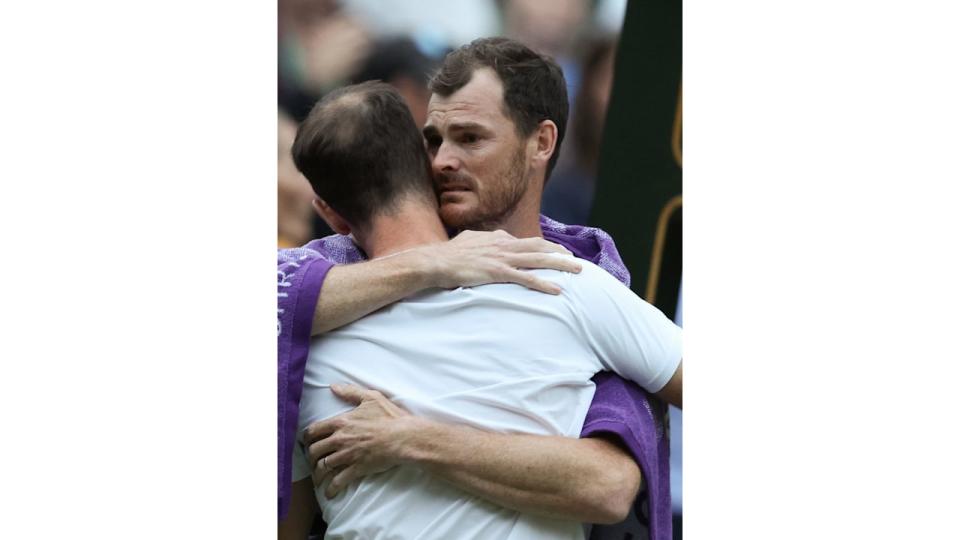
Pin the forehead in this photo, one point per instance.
(479, 101)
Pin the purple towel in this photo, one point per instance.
(619, 407)
(300, 275)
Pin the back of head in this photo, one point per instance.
(362, 152)
(534, 88)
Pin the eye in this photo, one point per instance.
(469, 138)
(432, 142)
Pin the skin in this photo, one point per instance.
(487, 176)
(411, 253)
(379, 435)
(303, 508)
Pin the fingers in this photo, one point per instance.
(499, 233)
(329, 465)
(340, 481)
(321, 448)
(531, 281)
(339, 460)
(537, 245)
(544, 260)
(349, 392)
(323, 470)
(508, 242)
(320, 472)
(320, 430)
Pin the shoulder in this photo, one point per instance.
(335, 248)
(587, 243)
(594, 279)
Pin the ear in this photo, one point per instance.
(544, 142)
(333, 219)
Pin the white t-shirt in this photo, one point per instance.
(497, 357)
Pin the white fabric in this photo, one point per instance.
(498, 357)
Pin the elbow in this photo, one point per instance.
(613, 499)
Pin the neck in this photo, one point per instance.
(413, 224)
(524, 220)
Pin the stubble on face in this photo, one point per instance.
(497, 198)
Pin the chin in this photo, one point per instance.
(458, 216)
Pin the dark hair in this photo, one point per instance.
(362, 152)
(395, 57)
(534, 89)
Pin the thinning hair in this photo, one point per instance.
(362, 152)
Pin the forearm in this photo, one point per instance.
(353, 291)
(472, 258)
(590, 480)
(296, 525)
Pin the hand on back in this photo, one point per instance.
(479, 257)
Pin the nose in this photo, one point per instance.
(445, 159)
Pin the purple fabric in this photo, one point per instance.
(619, 407)
(300, 274)
(587, 243)
(623, 409)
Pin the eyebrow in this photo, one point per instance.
(430, 130)
(464, 126)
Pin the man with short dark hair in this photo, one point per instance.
(489, 173)
(530, 373)
(533, 86)
(385, 163)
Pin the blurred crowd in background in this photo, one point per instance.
(324, 44)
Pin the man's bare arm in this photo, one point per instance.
(353, 291)
(588, 480)
(672, 393)
(303, 504)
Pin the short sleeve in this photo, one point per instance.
(630, 337)
(300, 467)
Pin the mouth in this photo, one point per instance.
(453, 194)
(453, 189)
